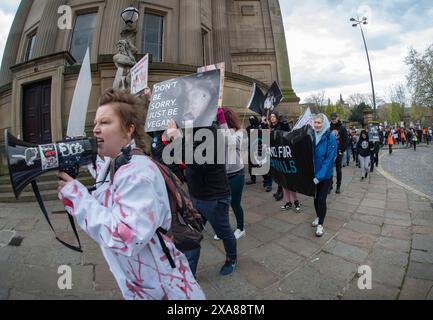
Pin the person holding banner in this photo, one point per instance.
(325, 151)
(129, 206)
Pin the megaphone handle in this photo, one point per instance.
(44, 211)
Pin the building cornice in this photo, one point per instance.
(48, 58)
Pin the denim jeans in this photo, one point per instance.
(347, 156)
(267, 181)
(192, 256)
(236, 184)
(217, 213)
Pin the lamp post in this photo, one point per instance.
(130, 15)
(124, 59)
(359, 23)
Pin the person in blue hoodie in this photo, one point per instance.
(325, 151)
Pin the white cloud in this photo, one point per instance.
(326, 53)
(5, 24)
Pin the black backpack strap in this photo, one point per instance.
(71, 220)
(164, 246)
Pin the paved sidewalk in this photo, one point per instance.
(379, 224)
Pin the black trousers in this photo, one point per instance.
(338, 163)
(374, 160)
(390, 148)
(320, 199)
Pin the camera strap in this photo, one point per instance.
(71, 220)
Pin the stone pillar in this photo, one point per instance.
(283, 68)
(13, 42)
(220, 32)
(190, 38)
(368, 117)
(113, 21)
(46, 35)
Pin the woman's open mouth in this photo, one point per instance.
(99, 141)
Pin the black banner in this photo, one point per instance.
(192, 98)
(292, 160)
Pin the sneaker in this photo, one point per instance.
(297, 207)
(251, 182)
(278, 196)
(239, 233)
(338, 191)
(362, 178)
(268, 189)
(228, 267)
(215, 237)
(315, 223)
(287, 206)
(319, 231)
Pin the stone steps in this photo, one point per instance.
(47, 186)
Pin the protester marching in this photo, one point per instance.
(152, 201)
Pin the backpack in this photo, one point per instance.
(186, 222)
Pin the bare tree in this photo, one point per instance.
(318, 99)
(398, 94)
(356, 99)
(420, 76)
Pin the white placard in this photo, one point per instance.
(139, 75)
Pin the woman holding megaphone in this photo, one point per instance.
(129, 207)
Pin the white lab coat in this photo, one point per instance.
(122, 217)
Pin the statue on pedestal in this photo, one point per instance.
(124, 59)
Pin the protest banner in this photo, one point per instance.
(264, 104)
(291, 156)
(257, 99)
(221, 66)
(139, 75)
(190, 100)
(373, 132)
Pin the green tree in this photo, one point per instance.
(357, 114)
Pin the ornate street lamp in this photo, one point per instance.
(360, 23)
(130, 15)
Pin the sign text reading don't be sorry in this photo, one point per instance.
(163, 106)
(190, 99)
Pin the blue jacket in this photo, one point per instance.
(324, 156)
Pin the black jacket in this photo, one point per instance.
(342, 132)
(207, 181)
(364, 146)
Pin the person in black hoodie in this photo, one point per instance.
(364, 148)
(281, 123)
(336, 125)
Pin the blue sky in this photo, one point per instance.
(326, 53)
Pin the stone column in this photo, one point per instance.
(190, 38)
(13, 42)
(220, 32)
(283, 68)
(113, 22)
(46, 35)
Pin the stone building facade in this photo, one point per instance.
(41, 61)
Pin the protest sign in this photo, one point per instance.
(190, 100)
(291, 156)
(221, 66)
(373, 132)
(139, 75)
(306, 119)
